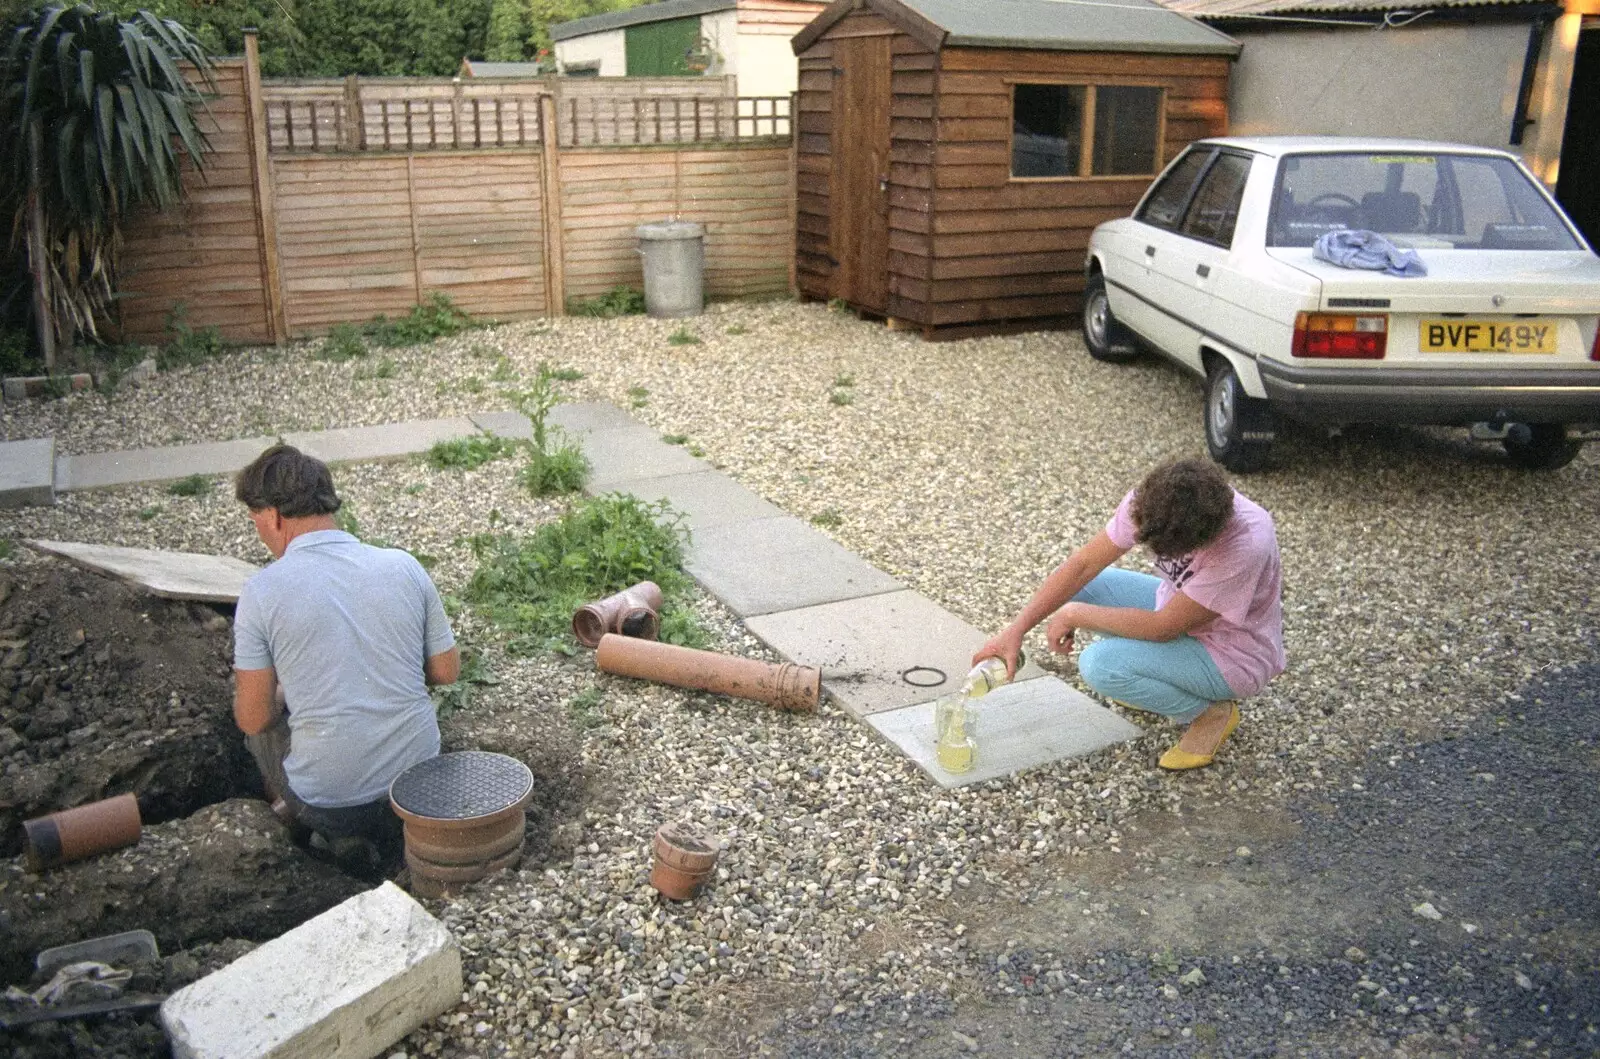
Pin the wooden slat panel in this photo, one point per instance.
(1086, 63)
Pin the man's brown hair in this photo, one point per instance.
(287, 479)
(1181, 505)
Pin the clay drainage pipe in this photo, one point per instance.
(787, 686)
(74, 834)
(635, 611)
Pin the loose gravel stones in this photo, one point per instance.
(1425, 581)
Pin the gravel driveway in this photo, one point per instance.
(859, 909)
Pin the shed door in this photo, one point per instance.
(858, 192)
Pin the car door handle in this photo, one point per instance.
(1202, 271)
(1149, 251)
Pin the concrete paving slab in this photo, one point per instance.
(173, 575)
(99, 470)
(766, 565)
(590, 417)
(344, 985)
(382, 442)
(705, 498)
(877, 653)
(1019, 726)
(504, 424)
(28, 473)
(619, 458)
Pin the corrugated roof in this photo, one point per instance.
(1056, 25)
(638, 16)
(1221, 9)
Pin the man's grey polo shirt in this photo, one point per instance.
(348, 628)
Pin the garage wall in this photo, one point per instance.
(1452, 82)
(610, 49)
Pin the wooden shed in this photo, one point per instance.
(954, 155)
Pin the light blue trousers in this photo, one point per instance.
(1176, 679)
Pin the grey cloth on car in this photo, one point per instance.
(1368, 250)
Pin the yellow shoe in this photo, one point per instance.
(1177, 759)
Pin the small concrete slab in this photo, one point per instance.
(383, 442)
(99, 470)
(512, 425)
(877, 653)
(345, 985)
(1019, 726)
(766, 565)
(620, 458)
(591, 417)
(172, 575)
(28, 473)
(705, 498)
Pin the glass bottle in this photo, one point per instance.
(955, 726)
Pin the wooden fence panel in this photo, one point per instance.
(345, 241)
(480, 231)
(203, 257)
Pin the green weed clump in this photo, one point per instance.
(465, 454)
(194, 485)
(618, 301)
(564, 374)
(438, 317)
(344, 343)
(683, 337)
(552, 468)
(187, 345)
(529, 586)
(475, 673)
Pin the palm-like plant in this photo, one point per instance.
(98, 116)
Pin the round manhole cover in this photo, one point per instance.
(462, 786)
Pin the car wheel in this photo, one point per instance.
(1107, 339)
(1543, 447)
(1238, 426)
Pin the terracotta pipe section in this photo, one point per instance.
(635, 611)
(786, 686)
(74, 834)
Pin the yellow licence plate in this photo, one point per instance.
(1463, 335)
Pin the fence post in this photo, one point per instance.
(261, 189)
(555, 243)
(455, 114)
(355, 120)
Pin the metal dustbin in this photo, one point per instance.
(674, 255)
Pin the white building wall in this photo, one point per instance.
(766, 65)
(1444, 82)
(609, 48)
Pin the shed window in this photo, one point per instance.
(1051, 124)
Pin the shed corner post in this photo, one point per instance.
(262, 191)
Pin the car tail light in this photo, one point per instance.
(1347, 337)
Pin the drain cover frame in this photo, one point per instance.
(463, 785)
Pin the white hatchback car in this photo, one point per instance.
(1215, 270)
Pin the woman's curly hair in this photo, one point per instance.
(1181, 505)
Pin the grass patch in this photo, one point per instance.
(148, 513)
(465, 454)
(8, 548)
(416, 487)
(194, 485)
(471, 384)
(638, 396)
(564, 374)
(384, 369)
(827, 519)
(504, 371)
(529, 586)
(842, 397)
(736, 330)
(683, 337)
(584, 709)
(618, 301)
(438, 317)
(844, 380)
(344, 343)
(838, 305)
(675, 439)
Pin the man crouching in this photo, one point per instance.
(335, 644)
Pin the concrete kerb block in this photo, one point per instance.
(385, 441)
(28, 473)
(345, 985)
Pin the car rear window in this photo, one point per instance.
(1468, 202)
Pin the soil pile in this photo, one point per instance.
(106, 690)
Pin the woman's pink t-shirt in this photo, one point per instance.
(1237, 576)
